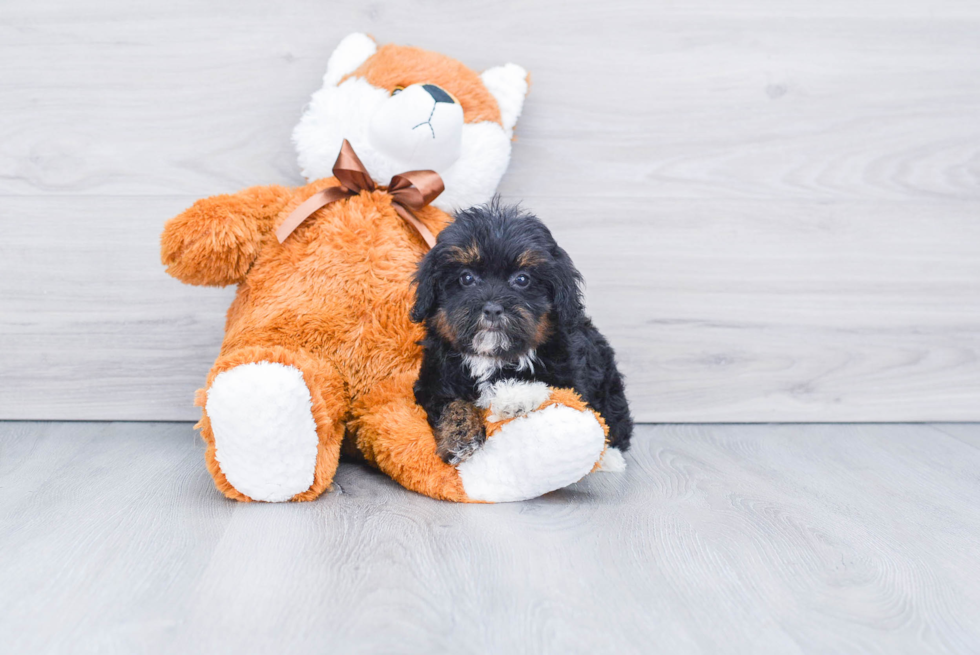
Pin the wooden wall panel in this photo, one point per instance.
(775, 207)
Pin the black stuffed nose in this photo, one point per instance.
(438, 94)
(492, 311)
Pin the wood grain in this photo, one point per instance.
(741, 539)
(774, 205)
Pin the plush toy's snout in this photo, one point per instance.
(419, 127)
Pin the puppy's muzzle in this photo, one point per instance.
(492, 313)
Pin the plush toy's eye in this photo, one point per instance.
(467, 279)
(521, 280)
(398, 89)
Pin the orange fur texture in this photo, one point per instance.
(398, 65)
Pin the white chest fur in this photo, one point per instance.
(482, 367)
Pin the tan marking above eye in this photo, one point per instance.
(468, 255)
(530, 258)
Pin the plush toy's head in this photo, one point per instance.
(406, 109)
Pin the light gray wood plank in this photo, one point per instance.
(742, 539)
(856, 319)
(707, 100)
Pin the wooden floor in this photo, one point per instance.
(723, 538)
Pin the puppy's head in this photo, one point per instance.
(496, 284)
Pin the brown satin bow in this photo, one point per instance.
(409, 192)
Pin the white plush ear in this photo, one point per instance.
(508, 85)
(350, 53)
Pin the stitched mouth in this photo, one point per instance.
(429, 120)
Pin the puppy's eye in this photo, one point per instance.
(467, 279)
(398, 89)
(521, 280)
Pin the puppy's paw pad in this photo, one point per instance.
(513, 398)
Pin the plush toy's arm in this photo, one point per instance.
(215, 241)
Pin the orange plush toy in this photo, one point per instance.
(319, 354)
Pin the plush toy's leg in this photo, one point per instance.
(273, 423)
(393, 434)
(540, 439)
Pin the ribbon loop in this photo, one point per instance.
(410, 191)
(350, 171)
(416, 189)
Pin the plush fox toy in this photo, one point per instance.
(319, 354)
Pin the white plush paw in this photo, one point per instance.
(546, 450)
(512, 398)
(612, 461)
(264, 433)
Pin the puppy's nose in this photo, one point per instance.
(438, 94)
(492, 311)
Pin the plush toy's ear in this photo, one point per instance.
(425, 288)
(508, 84)
(350, 53)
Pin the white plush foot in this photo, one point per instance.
(546, 450)
(264, 432)
(612, 461)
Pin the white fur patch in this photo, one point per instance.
(486, 342)
(482, 367)
(612, 461)
(526, 361)
(352, 51)
(511, 398)
(508, 85)
(264, 432)
(530, 456)
(415, 132)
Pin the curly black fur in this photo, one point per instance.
(500, 299)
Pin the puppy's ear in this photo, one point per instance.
(425, 288)
(567, 287)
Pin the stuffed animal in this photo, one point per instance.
(319, 355)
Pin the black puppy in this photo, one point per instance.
(502, 301)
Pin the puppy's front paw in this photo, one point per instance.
(460, 432)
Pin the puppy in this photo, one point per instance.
(502, 304)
